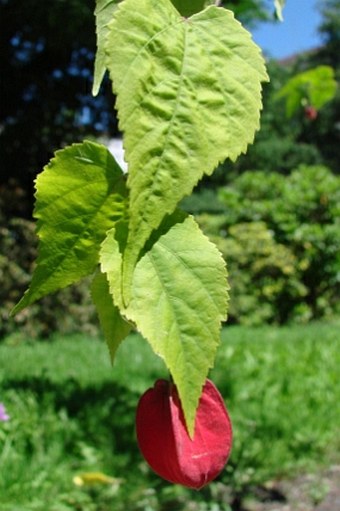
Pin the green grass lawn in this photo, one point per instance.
(71, 413)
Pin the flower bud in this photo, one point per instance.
(164, 440)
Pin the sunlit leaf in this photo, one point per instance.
(188, 97)
(79, 196)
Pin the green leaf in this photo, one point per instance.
(103, 12)
(188, 7)
(279, 5)
(114, 326)
(178, 300)
(188, 97)
(80, 195)
(315, 87)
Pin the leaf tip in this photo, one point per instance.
(95, 89)
(22, 304)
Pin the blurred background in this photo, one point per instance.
(275, 216)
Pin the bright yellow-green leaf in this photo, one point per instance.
(79, 196)
(103, 12)
(188, 97)
(178, 300)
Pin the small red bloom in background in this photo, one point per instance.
(311, 112)
(164, 440)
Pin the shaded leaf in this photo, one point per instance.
(103, 12)
(178, 300)
(114, 326)
(188, 8)
(279, 5)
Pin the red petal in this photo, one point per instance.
(202, 458)
(164, 440)
(154, 431)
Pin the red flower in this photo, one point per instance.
(164, 440)
(311, 113)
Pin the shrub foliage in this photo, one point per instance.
(280, 237)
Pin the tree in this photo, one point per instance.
(324, 134)
(47, 51)
(250, 11)
(330, 31)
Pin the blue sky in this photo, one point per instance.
(297, 32)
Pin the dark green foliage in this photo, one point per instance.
(72, 413)
(330, 31)
(263, 275)
(249, 12)
(280, 237)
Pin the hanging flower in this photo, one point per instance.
(3, 414)
(164, 440)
